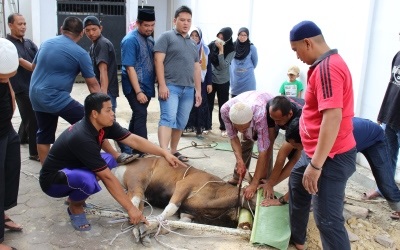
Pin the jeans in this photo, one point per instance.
(393, 144)
(175, 111)
(381, 167)
(222, 91)
(137, 124)
(327, 203)
(10, 166)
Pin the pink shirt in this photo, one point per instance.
(329, 86)
(258, 125)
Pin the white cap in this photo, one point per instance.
(9, 60)
(240, 113)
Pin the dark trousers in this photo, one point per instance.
(327, 204)
(28, 126)
(383, 171)
(10, 166)
(137, 124)
(222, 91)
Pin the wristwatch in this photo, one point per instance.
(282, 200)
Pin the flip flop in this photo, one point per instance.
(181, 157)
(370, 195)
(125, 158)
(11, 228)
(395, 215)
(78, 221)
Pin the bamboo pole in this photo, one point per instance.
(176, 224)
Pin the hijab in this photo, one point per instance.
(203, 51)
(242, 49)
(228, 46)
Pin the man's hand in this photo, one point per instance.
(163, 92)
(198, 99)
(310, 179)
(174, 161)
(241, 169)
(209, 89)
(250, 191)
(268, 190)
(136, 216)
(142, 98)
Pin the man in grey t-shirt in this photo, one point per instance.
(179, 76)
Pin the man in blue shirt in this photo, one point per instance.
(56, 65)
(138, 75)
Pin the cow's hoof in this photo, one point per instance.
(136, 234)
(146, 241)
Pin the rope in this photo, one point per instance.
(199, 146)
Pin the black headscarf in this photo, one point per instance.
(242, 49)
(228, 47)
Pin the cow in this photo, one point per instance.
(198, 195)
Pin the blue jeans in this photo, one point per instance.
(381, 167)
(393, 144)
(175, 110)
(328, 203)
(137, 124)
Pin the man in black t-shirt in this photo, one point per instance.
(74, 161)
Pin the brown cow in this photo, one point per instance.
(205, 197)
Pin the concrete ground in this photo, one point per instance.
(46, 222)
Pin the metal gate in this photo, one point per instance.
(111, 13)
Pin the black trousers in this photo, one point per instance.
(222, 91)
(28, 126)
(10, 166)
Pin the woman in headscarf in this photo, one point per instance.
(222, 52)
(243, 64)
(199, 119)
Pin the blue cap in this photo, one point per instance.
(304, 29)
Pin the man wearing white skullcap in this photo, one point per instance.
(246, 113)
(9, 139)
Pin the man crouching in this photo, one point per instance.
(74, 161)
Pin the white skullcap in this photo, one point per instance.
(240, 113)
(8, 57)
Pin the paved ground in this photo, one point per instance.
(46, 223)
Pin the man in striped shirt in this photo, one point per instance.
(247, 113)
(326, 132)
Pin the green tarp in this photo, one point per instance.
(271, 224)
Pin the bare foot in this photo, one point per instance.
(11, 225)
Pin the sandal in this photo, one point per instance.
(11, 228)
(370, 195)
(395, 215)
(181, 157)
(205, 132)
(125, 158)
(200, 137)
(78, 221)
(34, 157)
(224, 134)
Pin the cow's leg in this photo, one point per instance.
(182, 190)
